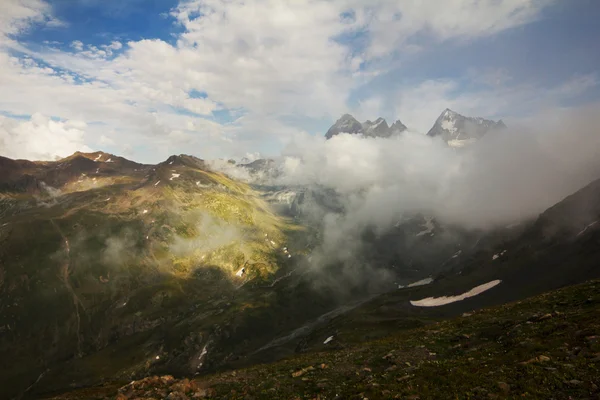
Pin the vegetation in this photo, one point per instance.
(544, 347)
(122, 264)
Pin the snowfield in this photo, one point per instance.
(440, 301)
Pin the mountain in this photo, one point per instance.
(459, 131)
(22, 176)
(379, 128)
(543, 347)
(113, 271)
(559, 248)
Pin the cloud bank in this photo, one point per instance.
(244, 76)
(41, 138)
(505, 177)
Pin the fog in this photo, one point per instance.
(506, 177)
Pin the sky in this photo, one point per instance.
(228, 78)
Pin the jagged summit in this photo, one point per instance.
(459, 131)
(185, 160)
(346, 124)
(102, 158)
(378, 128)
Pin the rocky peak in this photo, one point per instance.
(397, 127)
(378, 128)
(346, 124)
(459, 131)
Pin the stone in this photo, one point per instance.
(203, 393)
(302, 371)
(504, 387)
(177, 396)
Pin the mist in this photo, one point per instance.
(505, 178)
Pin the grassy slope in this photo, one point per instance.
(544, 347)
(119, 295)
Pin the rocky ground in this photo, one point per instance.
(544, 347)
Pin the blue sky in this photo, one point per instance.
(147, 78)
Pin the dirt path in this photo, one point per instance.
(64, 273)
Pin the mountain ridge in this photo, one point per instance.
(459, 131)
(378, 128)
(455, 129)
(174, 268)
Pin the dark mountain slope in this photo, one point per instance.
(544, 347)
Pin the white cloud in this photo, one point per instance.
(17, 16)
(77, 45)
(392, 23)
(418, 106)
(40, 138)
(106, 141)
(502, 179)
(270, 59)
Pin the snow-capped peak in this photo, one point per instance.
(459, 131)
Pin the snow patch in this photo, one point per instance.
(458, 253)
(586, 228)
(440, 301)
(156, 183)
(98, 158)
(448, 125)
(496, 256)
(329, 339)
(173, 176)
(109, 160)
(428, 227)
(241, 272)
(422, 282)
(202, 355)
(145, 212)
(457, 144)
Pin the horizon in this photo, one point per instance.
(147, 80)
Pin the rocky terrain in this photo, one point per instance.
(455, 129)
(460, 131)
(543, 347)
(379, 128)
(187, 281)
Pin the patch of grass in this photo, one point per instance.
(544, 347)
